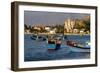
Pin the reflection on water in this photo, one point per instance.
(38, 50)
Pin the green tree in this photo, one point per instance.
(25, 26)
(60, 28)
(87, 24)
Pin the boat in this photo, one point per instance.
(77, 47)
(34, 37)
(51, 44)
(51, 47)
(54, 43)
(38, 38)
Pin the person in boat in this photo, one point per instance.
(58, 44)
(51, 41)
(51, 44)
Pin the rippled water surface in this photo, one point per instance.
(38, 50)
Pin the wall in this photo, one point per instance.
(5, 40)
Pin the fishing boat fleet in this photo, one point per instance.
(55, 43)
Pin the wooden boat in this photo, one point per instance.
(77, 47)
(38, 38)
(51, 44)
(54, 44)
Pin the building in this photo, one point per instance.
(69, 25)
(27, 31)
(52, 32)
(47, 28)
(37, 28)
(75, 31)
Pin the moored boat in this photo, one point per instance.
(77, 47)
(38, 38)
(54, 43)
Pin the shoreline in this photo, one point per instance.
(58, 33)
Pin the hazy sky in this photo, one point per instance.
(49, 18)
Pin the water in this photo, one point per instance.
(38, 50)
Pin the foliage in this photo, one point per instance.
(60, 28)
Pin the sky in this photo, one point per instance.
(49, 18)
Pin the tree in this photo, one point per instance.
(87, 24)
(25, 26)
(60, 28)
(79, 24)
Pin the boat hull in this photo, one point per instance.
(76, 47)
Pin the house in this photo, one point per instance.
(52, 32)
(47, 28)
(27, 31)
(75, 31)
(37, 28)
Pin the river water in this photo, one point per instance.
(38, 50)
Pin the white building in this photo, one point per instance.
(38, 28)
(52, 32)
(47, 28)
(76, 31)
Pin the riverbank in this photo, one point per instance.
(57, 33)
